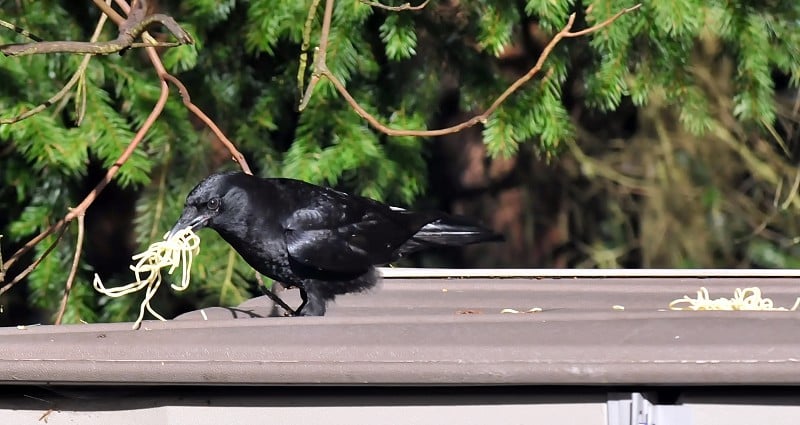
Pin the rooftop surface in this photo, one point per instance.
(442, 331)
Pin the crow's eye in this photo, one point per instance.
(213, 204)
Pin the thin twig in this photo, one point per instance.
(402, 7)
(21, 31)
(320, 55)
(321, 70)
(301, 69)
(72, 271)
(156, 44)
(603, 24)
(187, 101)
(44, 416)
(772, 214)
(80, 99)
(2, 269)
(792, 192)
(125, 6)
(33, 265)
(55, 227)
(109, 11)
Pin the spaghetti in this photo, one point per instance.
(743, 299)
(513, 311)
(178, 250)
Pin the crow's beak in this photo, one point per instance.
(190, 218)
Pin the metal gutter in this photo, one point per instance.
(438, 332)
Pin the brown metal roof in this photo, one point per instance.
(438, 331)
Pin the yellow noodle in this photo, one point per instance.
(177, 250)
(743, 299)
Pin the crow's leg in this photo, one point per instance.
(304, 297)
(313, 304)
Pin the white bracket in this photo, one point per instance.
(635, 409)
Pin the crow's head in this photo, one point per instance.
(210, 202)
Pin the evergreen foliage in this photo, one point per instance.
(243, 73)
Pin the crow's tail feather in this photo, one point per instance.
(449, 231)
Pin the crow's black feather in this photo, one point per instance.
(317, 239)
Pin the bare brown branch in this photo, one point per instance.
(2, 269)
(110, 12)
(44, 416)
(301, 69)
(187, 101)
(321, 70)
(35, 264)
(55, 227)
(402, 7)
(320, 55)
(603, 24)
(72, 271)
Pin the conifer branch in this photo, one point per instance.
(78, 211)
(81, 208)
(321, 70)
(71, 83)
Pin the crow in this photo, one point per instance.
(317, 239)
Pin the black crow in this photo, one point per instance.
(317, 239)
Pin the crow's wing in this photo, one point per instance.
(343, 239)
